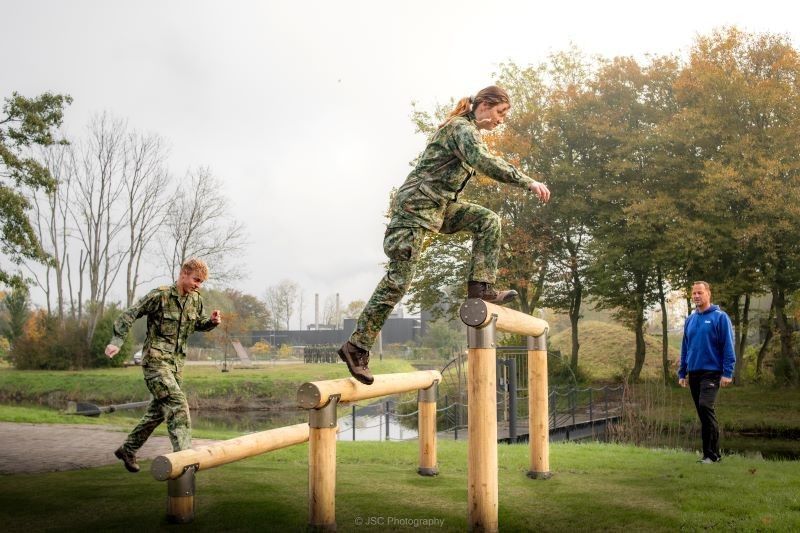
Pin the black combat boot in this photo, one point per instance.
(485, 291)
(128, 458)
(357, 361)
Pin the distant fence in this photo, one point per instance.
(395, 418)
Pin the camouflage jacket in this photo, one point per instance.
(170, 321)
(453, 155)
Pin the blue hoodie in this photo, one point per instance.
(707, 343)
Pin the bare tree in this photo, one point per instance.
(272, 301)
(198, 224)
(354, 309)
(99, 186)
(145, 180)
(52, 216)
(281, 300)
(329, 312)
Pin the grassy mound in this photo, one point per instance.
(607, 350)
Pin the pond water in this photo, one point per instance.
(371, 425)
(772, 449)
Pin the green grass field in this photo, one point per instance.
(596, 487)
(267, 385)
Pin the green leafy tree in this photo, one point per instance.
(569, 163)
(444, 337)
(18, 308)
(25, 122)
(635, 205)
(742, 104)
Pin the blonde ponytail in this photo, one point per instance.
(492, 95)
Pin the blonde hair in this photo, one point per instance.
(197, 266)
(492, 95)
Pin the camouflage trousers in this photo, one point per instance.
(163, 380)
(403, 247)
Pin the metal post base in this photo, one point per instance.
(539, 475)
(180, 498)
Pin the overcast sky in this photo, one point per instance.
(303, 108)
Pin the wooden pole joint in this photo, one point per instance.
(325, 416)
(484, 336)
(538, 343)
(428, 395)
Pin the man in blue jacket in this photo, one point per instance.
(708, 357)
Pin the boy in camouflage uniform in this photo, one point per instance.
(173, 312)
(428, 202)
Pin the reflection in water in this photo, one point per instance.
(246, 421)
(771, 449)
(373, 427)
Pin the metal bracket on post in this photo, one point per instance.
(483, 337)
(180, 497)
(538, 343)
(428, 395)
(325, 416)
(182, 485)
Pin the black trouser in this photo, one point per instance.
(704, 386)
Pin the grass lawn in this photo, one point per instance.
(599, 487)
(268, 383)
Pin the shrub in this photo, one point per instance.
(46, 344)
(49, 344)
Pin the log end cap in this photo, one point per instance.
(473, 312)
(308, 396)
(161, 468)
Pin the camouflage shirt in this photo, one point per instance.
(170, 320)
(451, 158)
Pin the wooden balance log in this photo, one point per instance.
(178, 468)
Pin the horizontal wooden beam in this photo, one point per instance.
(478, 313)
(172, 465)
(316, 394)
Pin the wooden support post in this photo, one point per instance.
(180, 498)
(538, 420)
(322, 467)
(482, 496)
(427, 431)
(483, 319)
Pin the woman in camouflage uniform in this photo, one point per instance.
(173, 312)
(428, 202)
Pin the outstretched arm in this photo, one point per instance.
(123, 323)
(477, 154)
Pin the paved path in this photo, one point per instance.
(32, 448)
